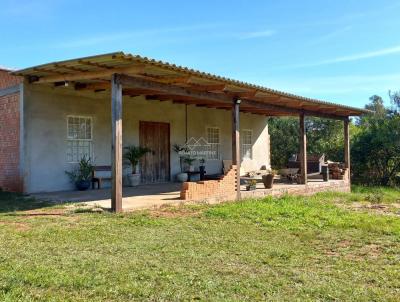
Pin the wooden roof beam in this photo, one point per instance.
(175, 91)
(208, 87)
(90, 75)
(171, 80)
(70, 68)
(92, 86)
(55, 72)
(242, 94)
(291, 110)
(98, 65)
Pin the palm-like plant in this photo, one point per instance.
(83, 172)
(133, 154)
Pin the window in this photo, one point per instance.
(247, 150)
(213, 142)
(79, 138)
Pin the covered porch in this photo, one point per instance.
(168, 194)
(122, 75)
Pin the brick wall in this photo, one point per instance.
(211, 190)
(8, 80)
(9, 135)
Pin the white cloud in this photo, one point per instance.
(331, 35)
(350, 58)
(120, 36)
(7, 68)
(257, 34)
(28, 8)
(331, 87)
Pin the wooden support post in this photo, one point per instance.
(116, 143)
(347, 147)
(236, 143)
(303, 149)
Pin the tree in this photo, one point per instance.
(284, 135)
(324, 136)
(376, 148)
(395, 100)
(376, 105)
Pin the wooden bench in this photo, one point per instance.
(99, 174)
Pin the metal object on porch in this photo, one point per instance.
(203, 172)
(291, 174)
(314, 162)
(325, 172)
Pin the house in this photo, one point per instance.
(53, 114)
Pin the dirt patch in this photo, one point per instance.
(383, 209)
(345, 249)
(371, 251)
(344, 244)
(19, 226)
(47, 212)
(174, 212)
(339, 248)
(332, 253)
(57, 214)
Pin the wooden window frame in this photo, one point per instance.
(246, 146)
(70, 139)
(218, 156)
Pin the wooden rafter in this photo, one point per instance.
(168, 79)
(90, 75)
(201, 95)
(70, 68)
(55, 72)
(93, 64)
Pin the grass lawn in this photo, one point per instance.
(329, 247)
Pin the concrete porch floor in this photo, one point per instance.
(156, 195)
(134, 198)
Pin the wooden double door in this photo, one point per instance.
(155, 165)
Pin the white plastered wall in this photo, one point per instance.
(45, 121)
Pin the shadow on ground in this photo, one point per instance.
(12, 202)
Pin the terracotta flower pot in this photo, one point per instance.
(268, 180)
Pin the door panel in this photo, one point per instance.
(155, 165)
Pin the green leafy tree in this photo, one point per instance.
(284, 136)
(376, 147)
(324, 136)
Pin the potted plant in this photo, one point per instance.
(181, 177)
(82, 174)
(133, 154)
(268, 179)
(251, 185)
(189, 162)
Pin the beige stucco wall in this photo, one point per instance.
(45, 131)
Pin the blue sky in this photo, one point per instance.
(342, 51)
